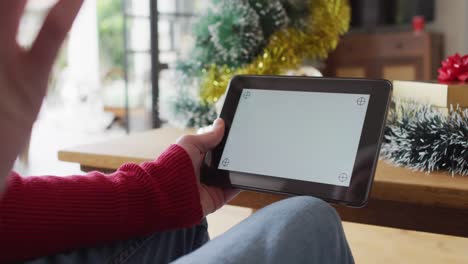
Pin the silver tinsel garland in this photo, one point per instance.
(424, 138)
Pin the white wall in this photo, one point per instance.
(452, 22)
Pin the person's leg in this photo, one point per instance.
(295, 230)
(162, 247)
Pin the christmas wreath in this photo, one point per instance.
(252, 37)
(423, 138)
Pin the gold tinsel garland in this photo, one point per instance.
(287, 48)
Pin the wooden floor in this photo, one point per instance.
(371, 244)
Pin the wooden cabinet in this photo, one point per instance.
(393, 56)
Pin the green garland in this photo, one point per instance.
(423, 138)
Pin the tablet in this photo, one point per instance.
(301, 136)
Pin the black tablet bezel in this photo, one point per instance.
(357, 193)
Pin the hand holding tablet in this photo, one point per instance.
(301, 136)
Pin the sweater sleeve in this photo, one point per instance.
(45, 215)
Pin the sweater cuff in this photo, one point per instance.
(180, 202)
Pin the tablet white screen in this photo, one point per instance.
(306, 136)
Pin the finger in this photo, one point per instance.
(10, 16)
(53, 32)
(207, 141)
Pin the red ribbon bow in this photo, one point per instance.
(454, 68)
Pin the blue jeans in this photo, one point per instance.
(295, 230)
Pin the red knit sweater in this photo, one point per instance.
(44, 215)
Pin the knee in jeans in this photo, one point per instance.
(314, 209)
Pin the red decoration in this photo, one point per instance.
(418, 23)
(454, 68)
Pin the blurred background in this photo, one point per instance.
(103, 84)
(118, 58)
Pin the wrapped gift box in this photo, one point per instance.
(437, 94)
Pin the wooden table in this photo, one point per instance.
(400, 198)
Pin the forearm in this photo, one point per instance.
(44, 215)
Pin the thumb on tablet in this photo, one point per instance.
(197, 145)
(207, 141)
